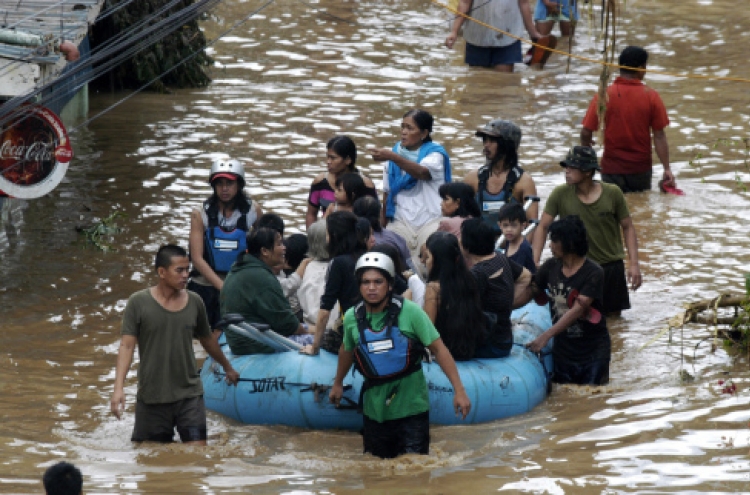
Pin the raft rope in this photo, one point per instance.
(588, 59)
(318, 389)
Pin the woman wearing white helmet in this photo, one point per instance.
(218, 232)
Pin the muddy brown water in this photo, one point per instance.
(285, 82)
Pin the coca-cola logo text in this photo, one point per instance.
(35, 152)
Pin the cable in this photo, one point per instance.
(587, 59)
(189, 57)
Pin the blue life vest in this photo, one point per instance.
(490, 204)
(388, 354)
(222, 246)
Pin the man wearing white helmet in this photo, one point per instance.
(384, 337)
(500, 180)
(218, 232)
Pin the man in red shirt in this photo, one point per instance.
(634, 112)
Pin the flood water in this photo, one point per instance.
(285, 82)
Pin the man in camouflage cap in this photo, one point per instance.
(603, 210)
(501, 180)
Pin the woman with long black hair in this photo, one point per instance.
(341, 159)
(451, 297)
(346, 243)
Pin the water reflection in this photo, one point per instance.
(284, 83)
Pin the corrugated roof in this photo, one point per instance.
(29, 32)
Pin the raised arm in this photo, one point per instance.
(417, 171)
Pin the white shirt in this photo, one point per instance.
(502, 14)
(420, 204)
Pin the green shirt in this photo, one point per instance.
(408, 396)
(253, 291)
(602, 219)
(167, 371)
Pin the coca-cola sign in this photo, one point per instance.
(34, 153)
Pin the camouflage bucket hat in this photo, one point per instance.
(581, 157)
(503, 129)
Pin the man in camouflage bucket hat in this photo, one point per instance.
(603, 210)
(501, 180)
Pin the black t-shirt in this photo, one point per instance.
(496, 279)
(583, 342)
(341, 285)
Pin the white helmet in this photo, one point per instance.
(230, 169)
(376, 260)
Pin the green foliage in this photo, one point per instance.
(154, 60)
(741, 325)
(742, 146)
(101, 232)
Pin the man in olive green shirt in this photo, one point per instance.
(162, 321)
(604, 212)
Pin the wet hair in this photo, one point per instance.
(423, 119)
(63, 478)
(271, 221)
(296, 249)
(261, 238)
(459, 319)
(342, 235)
(165, 254)
(477, 237)
(369, 208)
(570, 232)
(464, 194)
(512, 212)
(316, 241)
(345, 148)
(353, 186)
(632, 56)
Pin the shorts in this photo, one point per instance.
(490, 56)
(542, 14)
(210, 296)
(594, 373)
(616, 297)
(389, 439)
(157, 422)
(630, 183)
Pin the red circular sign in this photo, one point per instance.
(34, 153)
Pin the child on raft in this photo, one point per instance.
(349, 188)
(512, 221)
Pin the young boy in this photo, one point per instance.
(512, 220)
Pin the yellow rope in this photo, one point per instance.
(587, 59)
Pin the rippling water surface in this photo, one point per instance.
(285, 82)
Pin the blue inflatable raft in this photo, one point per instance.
(287, 388)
